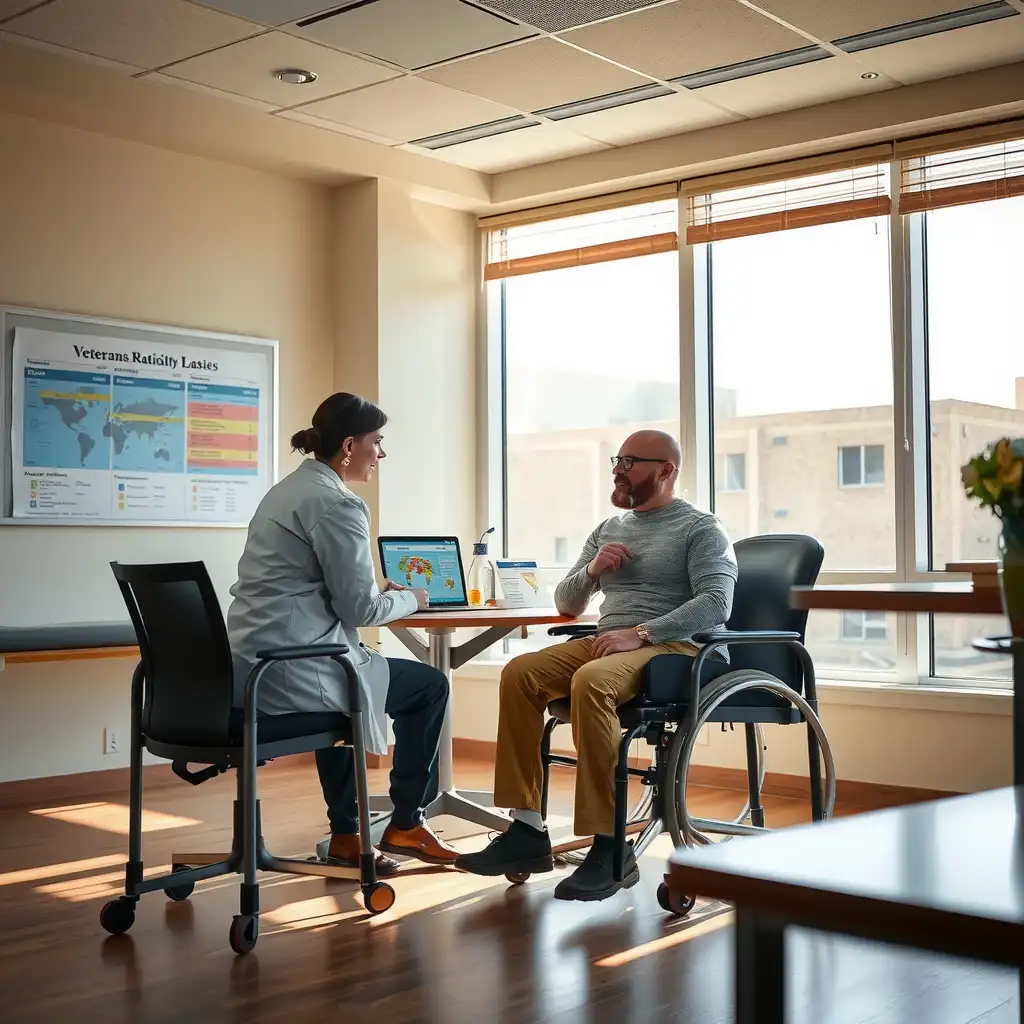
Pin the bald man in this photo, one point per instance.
(667, 571)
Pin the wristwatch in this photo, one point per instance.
(645, 634)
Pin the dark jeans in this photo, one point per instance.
(417, 697)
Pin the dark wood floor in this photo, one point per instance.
(455, 948)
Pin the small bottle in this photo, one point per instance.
(483, 576)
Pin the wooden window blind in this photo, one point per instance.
(962, 176)
(617, 234)
(850, 194)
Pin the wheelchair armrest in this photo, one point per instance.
(576, 629)
(746, 636)
(302, 651)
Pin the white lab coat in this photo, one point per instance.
(306, 576)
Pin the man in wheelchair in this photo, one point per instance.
(667, 571)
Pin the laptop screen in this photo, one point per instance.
(432, 564)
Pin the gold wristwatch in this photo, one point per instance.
(645, 634)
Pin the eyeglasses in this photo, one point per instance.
(627, 462)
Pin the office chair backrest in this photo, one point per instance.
(185, 651)
(768, 566)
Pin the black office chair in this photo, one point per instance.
(182, 697)
(768, 680)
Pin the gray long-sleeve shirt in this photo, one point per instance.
(679, 581)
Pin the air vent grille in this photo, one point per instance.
(559, 15)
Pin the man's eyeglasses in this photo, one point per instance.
(627, 462)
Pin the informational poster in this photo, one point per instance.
(112, 430)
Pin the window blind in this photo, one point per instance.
(616, 234)
(849, 194)
(955, 178)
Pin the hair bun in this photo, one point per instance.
(307, 441)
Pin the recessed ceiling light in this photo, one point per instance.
(869, 76)
(295, 76)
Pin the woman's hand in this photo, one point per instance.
(392, 585)
(422, 597)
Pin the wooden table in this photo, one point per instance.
(496, 623)
(946, 876)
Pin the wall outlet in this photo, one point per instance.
(111, 741)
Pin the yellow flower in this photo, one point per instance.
(992, 485)
(1011, 477)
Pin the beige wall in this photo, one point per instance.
(366, 290)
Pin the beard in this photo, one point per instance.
(628, 495)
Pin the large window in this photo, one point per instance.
(975, 345)
(845, 349)
(591, 353)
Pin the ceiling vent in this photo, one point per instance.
(559, 15)
(479, 131)
(606, 102)
(749, 68)
(926, 27)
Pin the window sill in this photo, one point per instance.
(929, 695)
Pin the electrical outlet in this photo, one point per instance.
(111, 739)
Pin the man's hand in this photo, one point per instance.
(610, 557)
(422, 597)
(615, 641)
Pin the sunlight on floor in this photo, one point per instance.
(94, 887)
(692, 928)
(70, 867)
(107, 817)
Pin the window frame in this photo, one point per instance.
(911, 481)
(863, 481)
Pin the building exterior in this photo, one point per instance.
(827, 473)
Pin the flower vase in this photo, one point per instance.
(1011, 575)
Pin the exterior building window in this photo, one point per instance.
(734, 472)
(862, 465)
(864, 626)
(562, 551)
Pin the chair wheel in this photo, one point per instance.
(680, 906)
(518, 877)
(118, 915)
(183, 891)
(245, 930)
(378, 898)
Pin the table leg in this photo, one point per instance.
(760, 969)
(473, 806)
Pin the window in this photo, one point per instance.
(975, 360)
(862, 465)
(783, 367)
(734, 473)
(864, 626)
(591, 354)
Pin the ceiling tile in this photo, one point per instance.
(649, 119)
(837, 19)
(558, 15)
(9, 8)
(219, 94)
(807, 85)
(333, 126)
(247, 68)
(949, 53)
(271, 12)
(521, 148)
(687, 36)
(146, 35)
(61, 51)
(414, 33)
(407, 108)
(535, 75)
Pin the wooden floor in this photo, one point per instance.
(455, 949)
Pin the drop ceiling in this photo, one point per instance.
(494, 85)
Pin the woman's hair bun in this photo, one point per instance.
(307, 441)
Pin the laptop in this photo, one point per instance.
(433, 564)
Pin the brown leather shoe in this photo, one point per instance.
(421, 843)
(344, 852)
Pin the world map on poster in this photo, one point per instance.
(147, 427)
(64, 421)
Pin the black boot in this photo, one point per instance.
(593, 879)
(522, 850)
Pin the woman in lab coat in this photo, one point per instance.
(306, 576)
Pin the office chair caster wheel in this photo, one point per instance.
(118, 915)
(518, 877)
(378, 898)
(680, 906)
(245, 930)
(183, 891)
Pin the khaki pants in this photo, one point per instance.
(597, 688)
